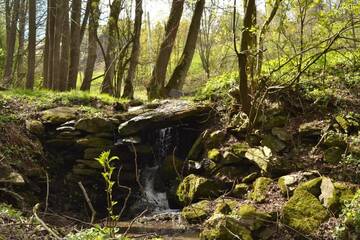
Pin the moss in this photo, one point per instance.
(344, 192)
(224, 227)
(260, 188)
(7, 211)
(273, 143)
(312, 186)
(251, 217)
(240, 190)
(196, 213)
(58, 115)
(283, 187)
(333, 155)
(225, 205)
(213, 154)
(304, 212)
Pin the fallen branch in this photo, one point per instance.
(88, 201)
(47, 228)
(132, 221)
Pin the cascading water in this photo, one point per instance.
(164, 145)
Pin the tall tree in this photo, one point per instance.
(135, 51)
(49, 51)
(74, 43)
(59, 20)
(112, 31)
(20, 70)
(65, 48)
(157, 82)
(92, 44)
(32, 46)
(178, 77)
(11, 25)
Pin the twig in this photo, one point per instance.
(127, 196)
(47, 192)
(93, 212)
(136, 168)
(174, 163)
(52, 232)
(132, 221)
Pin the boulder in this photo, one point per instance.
(96, 125)
(193, 188)
(260, 189)
(197, 212)
(94, 142)
(304, 212)
(35, 127)
(59, 115)
(312, 186)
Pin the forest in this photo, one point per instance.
(180, 119)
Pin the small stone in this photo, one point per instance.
(35, 127)
(240, 190)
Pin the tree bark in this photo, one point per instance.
(92, 44)
(51, 31)
(107, 84)
(65, 48)
(135, 51)
(11, 39)
(59, 20)
(74, 44)
(177, 79)
(156, 86)
(20, 71)
(32, 46)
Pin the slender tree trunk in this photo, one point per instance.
(21, 52)
(135, 51)
(74, 44)
(178, 77)
(85, 19)
(32, 45)
(157, 81)
(46, 50)
(59, 20)
(11, 39)
(92, 44)
(51, 19)
(107, 84)
(65, 48)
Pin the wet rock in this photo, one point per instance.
(304, 212)
(197, 212)
(194, 188)
(94, 142)
(281, 133)
(260, 189)
(170, 112)
(240, 190)
(35, 127)
(333, 155)
(273, 143)
(95, 125)
(59, 115)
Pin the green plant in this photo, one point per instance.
(108, 169)
(349, 226)
(94, 233)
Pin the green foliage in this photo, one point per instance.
(95, 233)
(108, 169)
(8, 211)
(349, 227)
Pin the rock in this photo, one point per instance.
(35, 127)
(69, 134)
(90, 163)
(345, 192)
(273, 143)
(328, 194)
(170, 112)
(223, 227)
(260, 156)
(214, 154)
(194, 188)
(197, 212)
(275, 120)
(250, 178)
(304, 212)
(59, 115)
(10, 176)
(281, 133)
(260, 189)
(92, 153)
(216, 138)
(343, 123)
(333, 155)
(250, 217)
(288, 183)
(198, 147)
(94, 142)
(60, 142)
(240, 190)
(95, 125)
(333, 139)
(312, 186)
(312, 129)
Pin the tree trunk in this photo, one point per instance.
(107, 84)
(51, 19)
(135, 51)
(32, 45)
(11, 39)
(74, 44)
(177, 79)
(92, 44)
(21, 52)
(59, 20)
(65, 48)
(157, 81)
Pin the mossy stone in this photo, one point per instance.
(328, 196)
(333, 139)
(304, 212)
(94, 142)
(273, 143)
(344, 192)
(197, 212)
(35, 127)
(333, 155)
(260, 188)
(223, 227)
(312, 186)
(213, 154)
(59, 115)
(250, 178)
(240, 190)
(250, 217)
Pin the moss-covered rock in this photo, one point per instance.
(250, 217)
(250, 178)
(96, 125)
(260, 156)
(35, 127)
(345, 192)
(328, 196)
(223, 227)
(240, 190)
(304, 212)
(59, 115)
(273, 143)
(312, 186)
(333, 155)
(197, 212)
(281, 134)
(333, 139)
(288, 183)
(194, 188)
(213, 154)
(94, 142)
(312, 130)
(260, 189)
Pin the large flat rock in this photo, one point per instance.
(169, 112)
